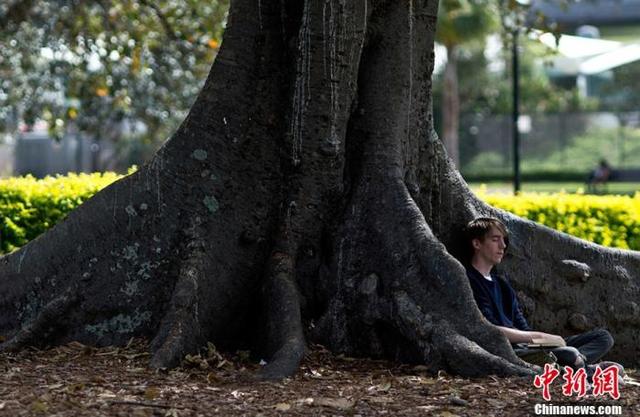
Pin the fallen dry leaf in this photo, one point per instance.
(305, 401)
(380, 400)
(282, 407)
(338, 403)
(495, 403)
(75, 387)
(384, 387)
(426, 407)
(39, 407)
(151, 393)
(107, 394)
(447, 413)
(631, 381)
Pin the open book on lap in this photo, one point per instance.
(542, 343)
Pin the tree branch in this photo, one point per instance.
(163, 20)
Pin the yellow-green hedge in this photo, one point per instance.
(29, 206)
(611, 220)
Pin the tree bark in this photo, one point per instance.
(305, 197)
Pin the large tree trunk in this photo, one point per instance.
(305, 197)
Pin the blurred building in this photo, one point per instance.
(38, 154)
(32, 150)
(598, 36)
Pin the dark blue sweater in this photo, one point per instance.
(496, 300)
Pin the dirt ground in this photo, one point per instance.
(76, 380)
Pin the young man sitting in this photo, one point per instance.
(497, 300)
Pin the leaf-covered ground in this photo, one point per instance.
(76, 380)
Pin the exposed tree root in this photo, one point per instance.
(467, 358)
(180, 332)
(439, 342)
(49, 321)
(285, 337)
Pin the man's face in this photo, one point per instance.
(492, 247)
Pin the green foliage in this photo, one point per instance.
(29, 206)
(607, 220)
(537, 93)
(97, 63)
(463, 21)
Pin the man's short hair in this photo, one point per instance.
(479, 227)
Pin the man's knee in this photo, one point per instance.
(605, 337)
(598, 336)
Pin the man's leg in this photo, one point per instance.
(593, 344)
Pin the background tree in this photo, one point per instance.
(485, 91)
(460, 22)
(305, 196)
(620, 95)
(620, 92)
(95, 64)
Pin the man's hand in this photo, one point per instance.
(521, 336)
(552, 339)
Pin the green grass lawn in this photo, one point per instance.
(628, 188)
